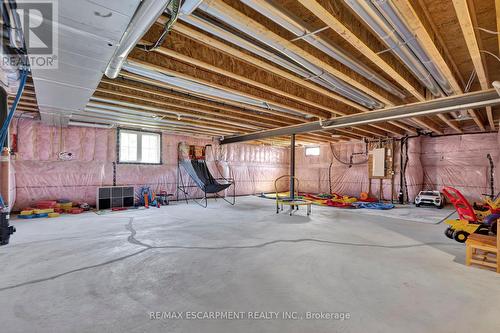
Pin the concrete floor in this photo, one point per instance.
(106, 273)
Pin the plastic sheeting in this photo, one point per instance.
(460, 161)
(434, 162)
(39, 174)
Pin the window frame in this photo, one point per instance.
(319, 151)
(139, 145)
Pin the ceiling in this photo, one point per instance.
(231, 69)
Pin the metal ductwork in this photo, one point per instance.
(383, 19)
(298, 29)
(97, 102)
(11, 16)
(189, 6)
(122, 114)
(394, 18)
(198, 88)
(329, 81)
(135, 123)
(437, 106)
(144, 18)
(253, 48)
(89, 124)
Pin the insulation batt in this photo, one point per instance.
(38, 174)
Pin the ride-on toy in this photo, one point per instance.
(430, 198)
(470, 221)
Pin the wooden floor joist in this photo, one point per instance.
(192, 102)
(466, 24)
(330, 20)
(249, 22)
(374, 131)
(216, 44)
(162, 70)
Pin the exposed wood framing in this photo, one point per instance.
(235, 14)
(373, 131)
(254, 61)
(429, 44)
(331, 21)
(465, 20)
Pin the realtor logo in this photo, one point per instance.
(35, 26)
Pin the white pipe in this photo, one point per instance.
(496, 85)
(215, 9)
(377, 22)
(123, 113)
(135, 106)
(393, 17)
(199, 88)
(87, 118)
(298, 29)
(93, 125)
(144, 18)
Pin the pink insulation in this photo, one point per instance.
(313, 171)
(39, 174)
(460, 161)
(434, 162)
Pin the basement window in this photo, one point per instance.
(139, 147)
(312, 151)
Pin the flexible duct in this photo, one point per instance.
(377, 22)
(298, 29)
(334, 84)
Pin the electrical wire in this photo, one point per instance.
(350, 163)
(176, 6)
(487, 31)
(5, 128)
(491, 54)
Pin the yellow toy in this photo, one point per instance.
(479, 221)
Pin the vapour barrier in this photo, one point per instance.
(460, 161)
(39, 174)
(433, 163)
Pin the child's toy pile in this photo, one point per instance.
(52, 208)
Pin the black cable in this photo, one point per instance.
(492, 178)
(350, 163)
(176, 6)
